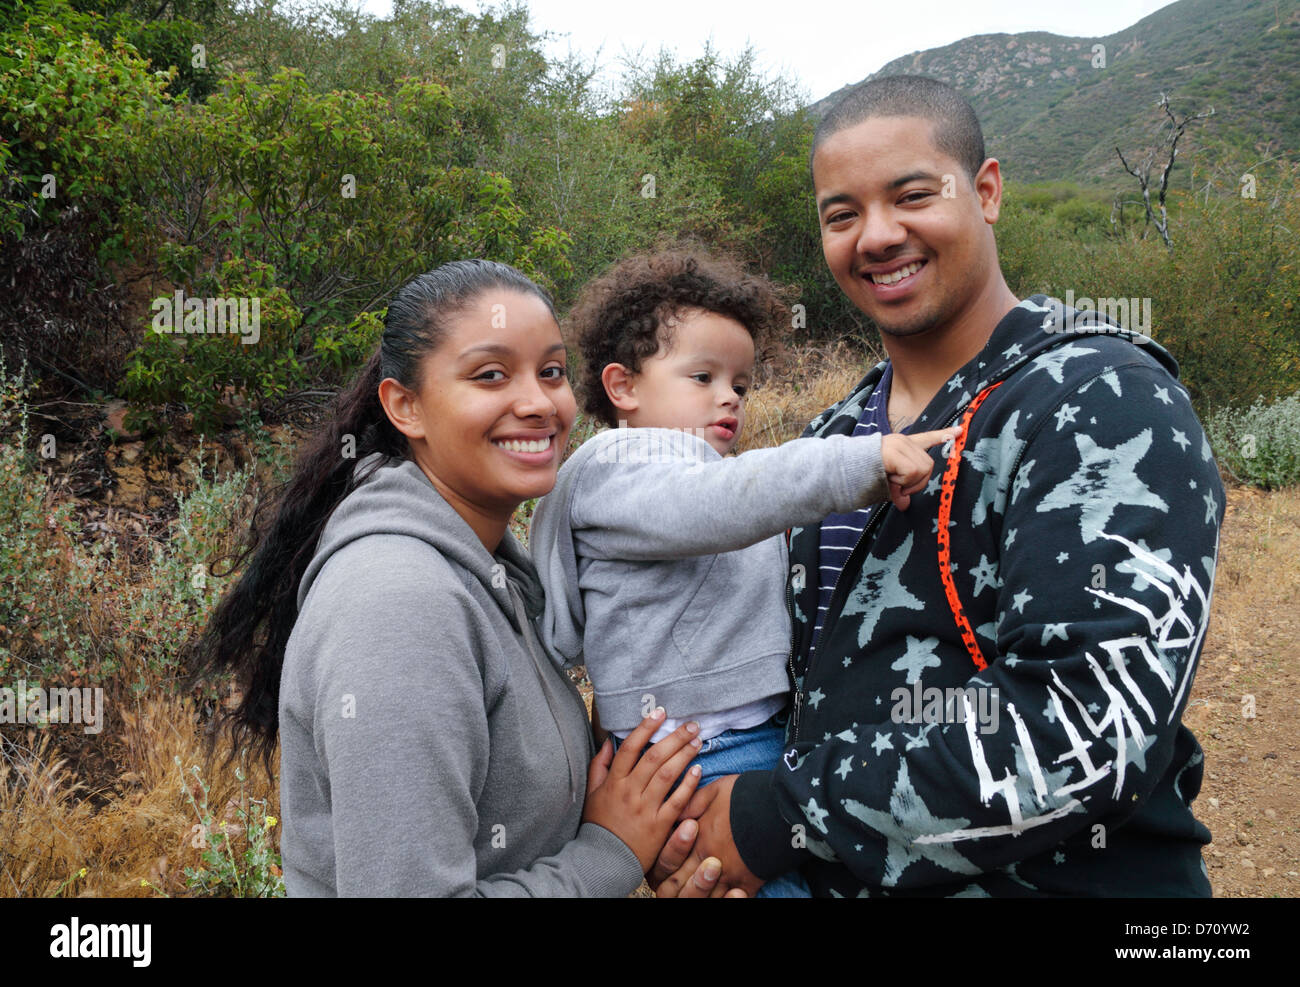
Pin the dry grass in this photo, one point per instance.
(137, 827)
(798, 386)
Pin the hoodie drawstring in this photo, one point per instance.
(946, 490)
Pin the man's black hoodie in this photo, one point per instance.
(1084, 535)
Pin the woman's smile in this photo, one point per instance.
(534, 450)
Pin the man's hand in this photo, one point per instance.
(703, 883)
(675, 875)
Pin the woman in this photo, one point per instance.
(384, 626)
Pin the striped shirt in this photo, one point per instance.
(840, 532)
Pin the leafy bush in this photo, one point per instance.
(66, 103)
(328, 201)
(68, 97)
(342, 351)
(1259, 444)
(205, 370)
(1225, 302)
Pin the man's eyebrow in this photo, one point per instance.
(915, 176)
(832, 200)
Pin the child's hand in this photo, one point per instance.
(908, 465)
(626, 795)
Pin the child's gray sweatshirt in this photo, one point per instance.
(427, 746)
(664, 565)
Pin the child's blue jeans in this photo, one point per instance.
(754, 749)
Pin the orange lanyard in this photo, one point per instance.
(945, 514)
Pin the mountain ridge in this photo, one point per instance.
(1052, 112)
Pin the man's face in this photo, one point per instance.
(903, 230)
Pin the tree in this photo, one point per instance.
(1143, 171)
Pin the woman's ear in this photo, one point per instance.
(402, 406)
(620, 386)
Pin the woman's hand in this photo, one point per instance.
(626, 795)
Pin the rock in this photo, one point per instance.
(1247, 864)
(115, 420)
(1214, 803)
(1243, 839)
(131, 451)
(1268, 871)
(1271, 813)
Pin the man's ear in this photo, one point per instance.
(402, 407)
(988, 186)
(620, 387)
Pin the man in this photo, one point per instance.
(996, 712)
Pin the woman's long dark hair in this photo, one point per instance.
(250, 627)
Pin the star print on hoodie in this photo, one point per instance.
(1084, 535)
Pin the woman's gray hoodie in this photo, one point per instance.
(428, 747)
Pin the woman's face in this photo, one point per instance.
(494, 409)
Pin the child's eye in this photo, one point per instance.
(483, 376)
(703, 373)
(741, 390)
(559, 372)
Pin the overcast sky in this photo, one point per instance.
(830, 43)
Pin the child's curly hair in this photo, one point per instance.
(626, 314)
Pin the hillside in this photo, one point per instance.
(1050, 115)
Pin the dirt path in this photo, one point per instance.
(1251, 795)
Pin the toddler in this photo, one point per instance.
(662, 556)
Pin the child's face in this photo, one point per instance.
(700, 383)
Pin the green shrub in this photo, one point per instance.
(342, 351)
(1259, 444)
(205, 370)
(1225, 301)
(66, 104)
(328, 202)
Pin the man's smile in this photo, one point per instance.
(894, 280)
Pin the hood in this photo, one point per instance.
(1040, 328)
(394, 497)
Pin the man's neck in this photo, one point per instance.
(922, 364)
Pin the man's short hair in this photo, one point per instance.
(956, 129)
